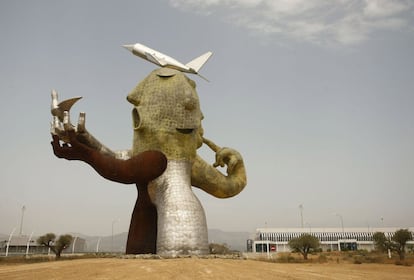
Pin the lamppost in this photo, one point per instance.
(21, 220)
(112, 236)
(73, 245)
(310, 228)
(97, 245)
(342, 221)
(301, 215)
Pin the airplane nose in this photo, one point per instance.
(129, 47)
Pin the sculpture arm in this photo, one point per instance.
(212, 181)
(139, 169)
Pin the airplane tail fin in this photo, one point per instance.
(198, 62)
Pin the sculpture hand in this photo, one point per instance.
(71, 149)
(229, 157)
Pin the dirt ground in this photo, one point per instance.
(194, 268)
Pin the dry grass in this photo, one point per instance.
(335, 265)
(196, 268)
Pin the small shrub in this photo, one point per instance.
(218, 249)
(286, 258)
(404, 263)
(322, 258)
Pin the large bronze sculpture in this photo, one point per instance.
(168, 219)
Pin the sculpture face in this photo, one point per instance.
(167, 115)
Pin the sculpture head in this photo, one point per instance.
(167, 115)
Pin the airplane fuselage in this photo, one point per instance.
(158, 58)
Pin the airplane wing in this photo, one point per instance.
(155, 59)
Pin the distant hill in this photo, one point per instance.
(234, 240)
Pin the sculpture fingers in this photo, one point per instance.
(229, 157)
(211, 145)
(81, 123)
(231, 164)
(56, 126)
(220, 158)
(66, 121)
(54, 107)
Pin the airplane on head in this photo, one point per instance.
(164, 60)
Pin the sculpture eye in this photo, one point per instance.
(189, 104)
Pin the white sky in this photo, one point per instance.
(318, 96)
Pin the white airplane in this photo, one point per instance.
(163, 60)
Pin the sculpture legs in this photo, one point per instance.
(142, 236)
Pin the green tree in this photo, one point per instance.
(57, 246)
(399, 240)
(381, 242)
(304, 244)
(396, 243)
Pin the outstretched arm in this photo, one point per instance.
(212, 181)
(139, 169)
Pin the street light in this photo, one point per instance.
(73, 245)
(97, 245)
(310, 227)
(21, 220)
(342, 221)
(301, 215)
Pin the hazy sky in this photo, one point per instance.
(317, 95)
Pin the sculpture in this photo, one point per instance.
(168, 219)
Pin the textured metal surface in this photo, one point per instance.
(182, 227)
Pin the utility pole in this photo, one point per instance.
(342, 221)
(21, 220)
(301, 215)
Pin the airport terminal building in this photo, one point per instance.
(27, 245)
(331, 239)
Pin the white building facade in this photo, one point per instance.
(331, 239)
